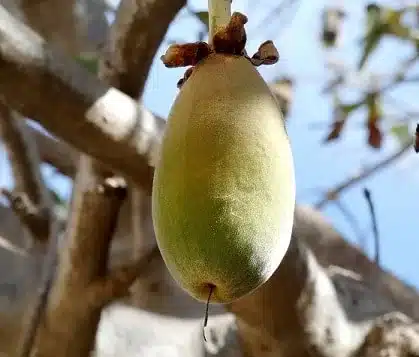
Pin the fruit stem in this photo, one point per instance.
(219, 13)
(211, 289)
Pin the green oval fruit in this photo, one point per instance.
(224, 190)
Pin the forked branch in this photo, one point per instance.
(30, 198)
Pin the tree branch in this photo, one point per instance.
(95, 206)
(117, 283)
(55, 21)
(38, 310)
(334, 193)
(55, 152)
(73, 105)
(392, 334)
(134, 38)
(77, 107)
(30, 198)
(12, 235)
(308, 309)
(136, 34)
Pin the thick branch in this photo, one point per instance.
(287, 314)
(75, 106)
(56, 153)
(331, 248)
(136, 34)
(55, 21)
(116, 285)
(308, 310)
(30, 198)
(134, 39)
(38, 310)
(95, 206)
(46, 85)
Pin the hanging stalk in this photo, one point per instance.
(219, 13)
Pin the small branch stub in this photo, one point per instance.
(229, 39)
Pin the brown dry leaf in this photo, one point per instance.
(337, 127)
(374, 117)
(375, 137)
(339, 119)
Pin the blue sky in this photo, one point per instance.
(318, 167)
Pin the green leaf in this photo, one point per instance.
(401, 132)
(203, 17)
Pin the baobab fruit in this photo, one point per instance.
(224, 191)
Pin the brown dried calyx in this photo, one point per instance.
(231, 39)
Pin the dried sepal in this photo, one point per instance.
(267, 54)
(232, 38)
(185, 77)
(188, 54)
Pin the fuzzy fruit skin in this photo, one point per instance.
(224, 188)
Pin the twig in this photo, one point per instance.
(400, 76)
(367, 195)
(36, 315)
(352, 221)
(34, 218)
(30, 198)
(396, 78)
(334, 193)
(275, 16)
